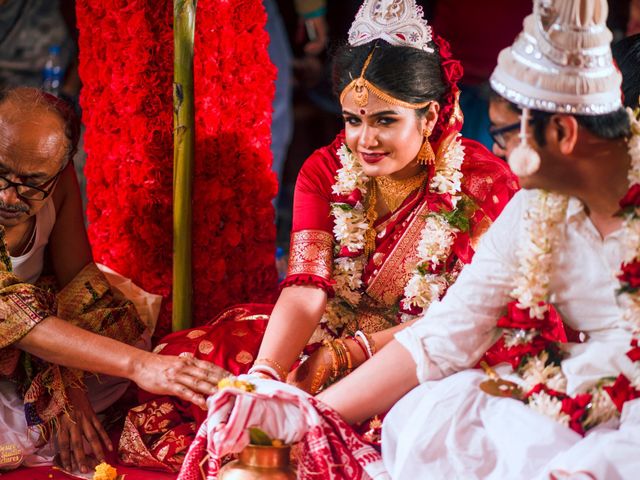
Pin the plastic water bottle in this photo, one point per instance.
(52, 72)
(281, 263)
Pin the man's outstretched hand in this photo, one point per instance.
(184, 377)
(77, 424)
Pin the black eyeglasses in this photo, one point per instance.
(497, 134)
(30, 192)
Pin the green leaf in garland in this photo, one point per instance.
(343, 206)
(629, 212)
(459, 217)
(423, 269)
(626, 288)
(259, 437)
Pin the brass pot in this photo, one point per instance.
(260, 463)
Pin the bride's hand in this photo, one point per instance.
(312, 374)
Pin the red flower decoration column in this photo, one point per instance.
(126, 64)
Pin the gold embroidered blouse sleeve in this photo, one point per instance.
(311, 253)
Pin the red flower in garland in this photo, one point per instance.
(517, 317)
(576, 408)
(550, 326)
(549, 330)
(621, 391)
(352, 199)
(634, 353)
(630, 275)
(632, 198)
(541, 387)
(452, 72)
(501, 353)
(345, 252)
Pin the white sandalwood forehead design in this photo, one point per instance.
(398, 22)
(561, 62)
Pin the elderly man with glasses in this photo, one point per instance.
(51, 335)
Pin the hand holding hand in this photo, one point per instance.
(185, 377)
(77, 424)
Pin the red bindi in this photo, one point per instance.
(363, 111)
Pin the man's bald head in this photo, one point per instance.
(24, 105)
(38, 136)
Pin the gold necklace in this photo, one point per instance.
(395, 192)
(370, 216)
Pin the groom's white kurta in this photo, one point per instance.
(448, 428)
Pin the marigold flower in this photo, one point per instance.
(232, 382)
(104, 471)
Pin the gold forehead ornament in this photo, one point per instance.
(362, 87)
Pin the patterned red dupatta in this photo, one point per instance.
(487, 185)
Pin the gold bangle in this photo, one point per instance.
(345, 357)
(272, 363)
(341, 359)
(335, 362)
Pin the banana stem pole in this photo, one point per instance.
(184, 16)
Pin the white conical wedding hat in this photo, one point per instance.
(561, 62)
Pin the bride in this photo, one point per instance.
(384, 219)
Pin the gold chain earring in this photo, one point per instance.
(426, 155)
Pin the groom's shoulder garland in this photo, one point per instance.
(532, 328)
(430, 278)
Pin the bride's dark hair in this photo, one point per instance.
(405, 73)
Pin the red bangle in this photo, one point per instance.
(362, 347)
(264, 370)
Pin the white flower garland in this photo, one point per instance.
(602, 408)
(631, 236)
(532, 291)
(350, 227)
(436, 240)
(350, 224)
(448, 179)
(549, 406)
(537, 370)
